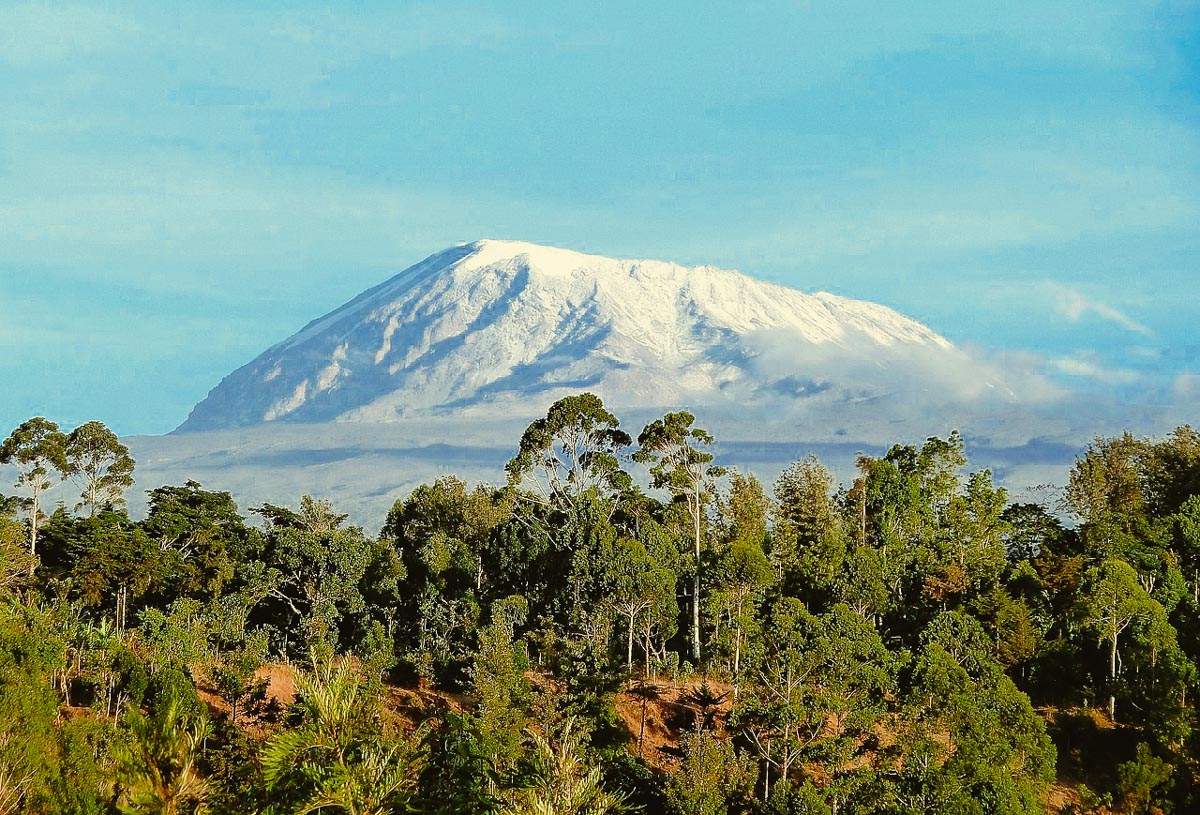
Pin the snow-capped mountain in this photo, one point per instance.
(507, 327)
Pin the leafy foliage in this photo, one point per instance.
(338, 757)
(570, 643)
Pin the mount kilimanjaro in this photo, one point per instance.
(503, 328)
(440, 369)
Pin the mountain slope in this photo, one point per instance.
(506, 327)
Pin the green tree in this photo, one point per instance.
(1186, 543)
(973, 742)
(498, 679)
(464, 519)
(1012, 625)
(1107, 484)
(179, 638)
(448, 540)
(745, 512)
(864, 583)
(317, 573)
(1137, 780)
(904, 500)
(102, 465)
(680, 462)
(636, 587)
(1115, 600)
(82, 780)
(575, 449)
(742, 575)
(114, 561)
(1028, 529)
(974, 531)
(1172, 470)
(821, 686)
(712, 779)
(202, 537)
(234, 674)
(37, 449)
(457, 775)
(808, 547)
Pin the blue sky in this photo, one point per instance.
(183, 186)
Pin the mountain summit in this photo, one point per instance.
(507, 327)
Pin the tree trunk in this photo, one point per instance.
(1112, 675)
(93, 494)
(629, 655)
(647, 648)
(696, 587)
(642, 731)
(862, 518)
(34, 511)
(737, 659)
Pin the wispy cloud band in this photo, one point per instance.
(1074, 305)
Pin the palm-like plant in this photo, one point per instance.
(338, 759)
(156, 769)
(562, 783)
(15, 780)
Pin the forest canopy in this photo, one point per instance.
(573, 641)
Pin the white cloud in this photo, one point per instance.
(1087, 368)
(1074, 305)
(854, 389)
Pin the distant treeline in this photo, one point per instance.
(574, 642)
